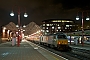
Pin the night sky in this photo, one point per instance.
(39, 10)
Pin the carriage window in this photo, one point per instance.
(62, 36)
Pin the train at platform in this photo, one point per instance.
(56, 40)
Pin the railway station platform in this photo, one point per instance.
(26, 51)
(80, 46)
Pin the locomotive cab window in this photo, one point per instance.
(62, 36)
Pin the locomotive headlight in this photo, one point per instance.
(58, 42)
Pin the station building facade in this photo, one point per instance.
(58, 25)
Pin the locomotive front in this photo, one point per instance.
(62, 42)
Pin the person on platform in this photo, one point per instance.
(14, 39)
(75, 41)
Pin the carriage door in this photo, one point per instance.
(55, 41)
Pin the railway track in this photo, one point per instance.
(81, 54)
(75, 54)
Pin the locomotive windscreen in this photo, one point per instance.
(61, 37)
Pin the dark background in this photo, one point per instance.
(39, 10)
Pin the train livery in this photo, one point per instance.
(55, 40)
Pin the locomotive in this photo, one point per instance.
(55, 40)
